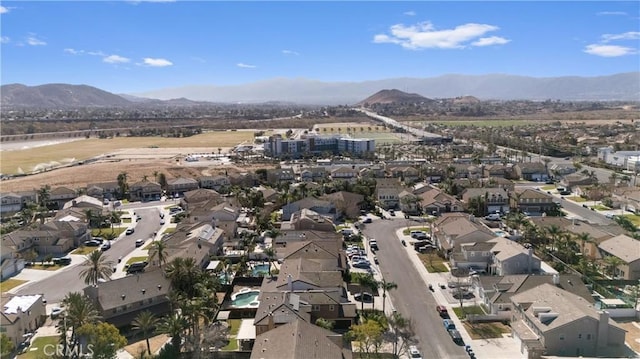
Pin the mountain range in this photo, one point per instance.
(617, 87)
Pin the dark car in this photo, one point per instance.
(366, 297)
(136, 267)
(442, 310)
(392, 213)
(92, 243)
(130, 230)
(367, 220)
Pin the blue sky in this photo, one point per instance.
(134, 46)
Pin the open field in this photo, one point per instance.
(13, 162)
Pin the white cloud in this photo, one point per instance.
(73, 51)
(5, 39)
(34, 41)
(290, 52)
(3, 10)
(609, 50)
(157, 62)
(198, 59)
(605, 13)
(245, 66)
(425, 36)
(630, 35)
(410, 13)
(95, 53)
(115, 59)
(489, 41)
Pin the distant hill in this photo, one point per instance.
(467, 100)
(393, 96)
(58, 96)
(622, 87)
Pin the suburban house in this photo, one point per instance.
(244, 179)
(409, 203)
(406, 174)
(197, 241)
(531, 201)
(454, 229)
(531, 171)
(548, 320)
(373, 171)
(432, 173)
(145, 191)
(495, 292)
(597, 234)
(559, 170)
(576, 179)
(627, 249)
(10, 263)
(21, 314)
(313, 174)
(214, 182)
(225, 217)
(493, 199)
(55, 237)
(61, 195)
(311, 341)
(630, 197)
(499, 171)
(322, 207)
(498, 182)
(120, 300)
(103, 190)
(344, 173)
(288, 237)
(85, 202)
(277, 309)
(306, 219)
(197, 197)
(387, 192)
(347, 204)
(275, 176)
(434, 201)
(10, 203)
(178, 186)
(498, 256)
(269, 194)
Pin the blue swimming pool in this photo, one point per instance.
(260, 270)
(500, 233)
(245, 299)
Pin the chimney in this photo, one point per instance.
(289, 283)
(270, 324)
(530, 260)
(603, 330)
(556, 279)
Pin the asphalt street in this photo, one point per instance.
(414, 300)
(66, 280)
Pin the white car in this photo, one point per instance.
(414, 353)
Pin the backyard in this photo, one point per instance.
(36, 350)
(234, 327)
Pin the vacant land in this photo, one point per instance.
(486, 330)
(25, 161)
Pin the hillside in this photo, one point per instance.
(393, 96)
(58, 96)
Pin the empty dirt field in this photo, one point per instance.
(28, 160)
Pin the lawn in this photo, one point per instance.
(550, 187)
(84, 250)
(599, 207)
(468, 310)
(635, 219)
(126, 219)
(10, 283)
(234, 327)
(79, 150)
(169, 230)
(486, 330)
(132, 260)
(39, 344)
(486, 123)
(45, 267)
(97, 232)
(577, 199)
(433, 263)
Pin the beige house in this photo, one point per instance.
(21, 314)
(454, 229)
(145, 191)
(56, 237)
(550, 321)
(532, 201)
(306, 219)
(178, 186)
(627, 249)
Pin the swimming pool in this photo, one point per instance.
(260, 270)
(500, 233)
(246, 298)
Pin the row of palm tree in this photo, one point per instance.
(367, 281)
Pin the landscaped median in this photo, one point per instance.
(10, 283)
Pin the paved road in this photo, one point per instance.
(68, 280)
(413, 298)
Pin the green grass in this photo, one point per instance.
(434, 264)
(467, 310)
(635, 219)
(577, 199)
(45, 267)
(169, 230)
(126, 219)
(98, 232)
(8, 284)
(84, 250)
(486, 330)
(362, 355)
(40, 344)
(548, 188)
(234, 327)
(599, 207)
(134, 259)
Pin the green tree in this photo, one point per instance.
(122, 184)
(401, 333)
(325, 323)
(146, 323)
(368, 335)
(79, 312)
(612, 263)
(30, 256)
(365, 282)
(6, 345)
(386, 286)
(174, 326)
(159, 250)
(271, 254)
(44, 200)
(554, 233)
(96, 267)
(104, 339)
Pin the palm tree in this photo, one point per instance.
(96, 267)
(174, 326)
(554, 232)
(271, 254)
(145, 322)
(612, 263)
(114, 217)
(44, 198)
(80, 311)
(90, 217)
(365, 281)
(158, 249)
(122, 183)
(386, 286)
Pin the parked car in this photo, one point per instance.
(56, 312)
(136, 267)
(493, 217)
(62, 261)
(415, 234)
(365, 296)
(392, 213)
(414, 353)
(449, 324)
(455, 335)
(129, 230)
(375, 260)
(367, 220)
(139, 242)
(105, 246)
(162, 222)
(92, 243)
(442, 310)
